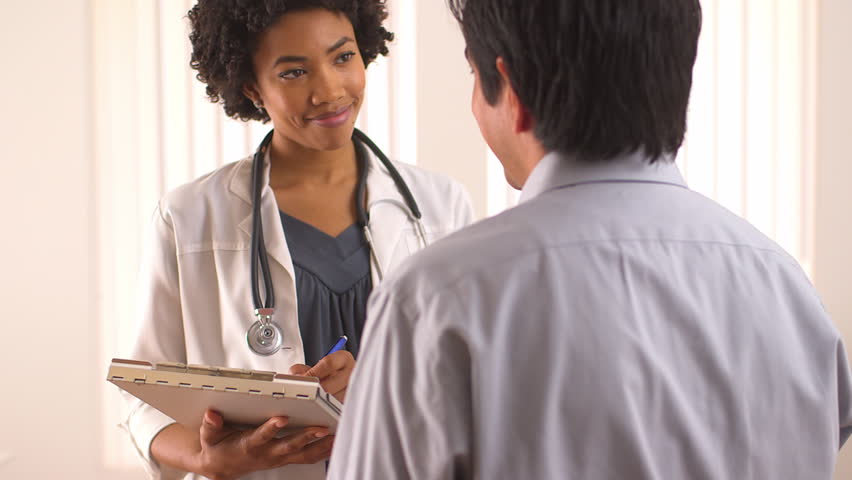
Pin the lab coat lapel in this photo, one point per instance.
(273, 231)
(388, 215)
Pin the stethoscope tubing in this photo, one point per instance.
(259, 257)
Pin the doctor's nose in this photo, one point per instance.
(328, 87)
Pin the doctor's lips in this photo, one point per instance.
(333, 119)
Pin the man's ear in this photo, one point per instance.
(522, 121)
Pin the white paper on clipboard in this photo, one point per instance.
(245, 398)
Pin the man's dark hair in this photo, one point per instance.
(599, 77)
(225, 32)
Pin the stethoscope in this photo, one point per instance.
(265, 336)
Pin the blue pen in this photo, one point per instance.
(338, 346)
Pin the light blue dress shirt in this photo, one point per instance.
(614, 325)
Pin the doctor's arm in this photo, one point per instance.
(169, 450)
(159, 335)
(408, 409)
(222, 453)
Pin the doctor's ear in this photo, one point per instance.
(252, 94)
(522, 121)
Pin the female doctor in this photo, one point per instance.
(333, 217)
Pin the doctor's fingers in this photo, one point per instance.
(299, 451)
(336, 383)
(299, 369)
(264, 434)
(334, 364)
(340, 395)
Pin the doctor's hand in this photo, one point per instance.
(227, 453)
(332, 370)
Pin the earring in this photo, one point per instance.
(259, 106)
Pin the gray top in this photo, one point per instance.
(624, 327)
(332, 285)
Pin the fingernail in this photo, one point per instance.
(280, 424)
(321, 434)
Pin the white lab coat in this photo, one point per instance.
(196, 300)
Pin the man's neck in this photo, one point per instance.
(530, 152)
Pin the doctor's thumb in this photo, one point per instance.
(212, 429)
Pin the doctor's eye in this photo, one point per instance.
(345, 57)
(292, 74)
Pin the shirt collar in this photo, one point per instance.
(556, 170)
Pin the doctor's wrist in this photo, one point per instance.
(212, 469)
(175, 451)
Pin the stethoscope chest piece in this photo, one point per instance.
(264, 337)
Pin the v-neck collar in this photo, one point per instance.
(303, 235)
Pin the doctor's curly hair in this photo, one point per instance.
(224, 37)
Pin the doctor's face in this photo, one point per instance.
(310, 78)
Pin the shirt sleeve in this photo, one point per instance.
(159, 336)
(408, 408)
(844, 391)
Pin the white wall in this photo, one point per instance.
(833, 208)
(448, 139)
(48, 421)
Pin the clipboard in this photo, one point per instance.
(245, 398)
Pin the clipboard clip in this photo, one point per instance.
(215, 371)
